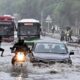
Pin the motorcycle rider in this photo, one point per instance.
(67, 35)
(62, 35)
(20, 44)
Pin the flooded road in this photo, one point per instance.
(57, 71)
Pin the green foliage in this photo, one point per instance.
(63, 12)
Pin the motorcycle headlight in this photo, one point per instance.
(67, 34)
(20, 56)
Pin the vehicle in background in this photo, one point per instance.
(7, 26)
(29, 30)
(49, 51)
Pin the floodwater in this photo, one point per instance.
(57, 71)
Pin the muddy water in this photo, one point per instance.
(58, 71)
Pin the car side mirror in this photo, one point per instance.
(71, 53)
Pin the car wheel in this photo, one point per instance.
(32, 60)
(69, 61)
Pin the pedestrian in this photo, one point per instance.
(70, 34)
(53, 29)
(1, 49)
(62, 35)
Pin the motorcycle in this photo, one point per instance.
(19, 57)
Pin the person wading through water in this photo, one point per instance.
(1, 49)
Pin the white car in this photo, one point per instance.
(51, 52)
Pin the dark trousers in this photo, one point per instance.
(1, 49)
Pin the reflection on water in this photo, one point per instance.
(19, 72)
(20, 77)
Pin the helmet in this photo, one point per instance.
(21, 41)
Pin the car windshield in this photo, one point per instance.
(50, 48)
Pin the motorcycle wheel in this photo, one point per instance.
(13, 61)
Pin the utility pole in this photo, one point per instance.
(42, 20)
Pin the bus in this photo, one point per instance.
(7, 26)
(29, 29)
